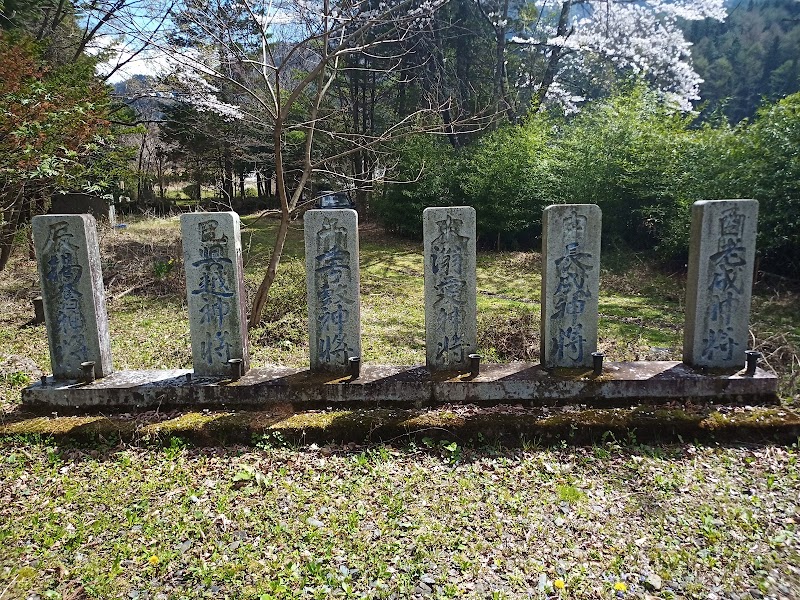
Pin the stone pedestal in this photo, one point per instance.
(570, 284)
(333, 285)
(68, 258)
(215, 295)
(451, 331)
(719, 283)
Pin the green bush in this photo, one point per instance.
(501, 179)
(625, 155)
(758, 160)
(643, 163)
(772, 176)
(429, 168)
(191, 191)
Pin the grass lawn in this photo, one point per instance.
(397, 522)
(615, 520)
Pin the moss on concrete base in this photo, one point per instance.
(506, 424)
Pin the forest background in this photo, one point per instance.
(641, 108)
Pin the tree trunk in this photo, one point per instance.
(9, 232)
(139, 169)
(259, 186)
(555, 56)
(262, 293)
(39, 205)
(435, 73)
(160, 159)
(227, 177)
(502, 102)
(198, 183)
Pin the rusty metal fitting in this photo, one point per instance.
(751, 357)
(88, 371)
(597, 363)
(474, 365)
(236, 368)
(354, 367)
(38, 310)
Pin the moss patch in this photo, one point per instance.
(504, 423)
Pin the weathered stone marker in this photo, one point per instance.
(719, 283)
(451, 330)
(68, 257)
(212, 256)
(333, 284)
(570, 284)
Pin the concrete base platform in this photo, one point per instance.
(620, 384)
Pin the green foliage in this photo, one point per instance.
(54, 133)
(749, 57)
(191, 191)
(772, 171)
(449, 450)
(500, 178)
(162, 268)
(632, 155)
(570, 494)
(15, 379)
(622, 154)
(428, 166)
(497, 175)
(285, 315)
(54, 127)
(752, 160)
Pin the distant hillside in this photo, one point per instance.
(752, 56)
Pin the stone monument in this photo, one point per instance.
(451, 331)
(570, 284)
(333, 285)
(719, 283)
(212, 257)
(68, 258)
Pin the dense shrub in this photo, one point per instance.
(500, 178)
(622, 154)
(758, 160)
(772, 168)
(428, 169)
(706, 168)
(641, 162)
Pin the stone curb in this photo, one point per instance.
(621, 384)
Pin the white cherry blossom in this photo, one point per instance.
(642, 38)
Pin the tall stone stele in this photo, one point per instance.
(451, 331)
(333, 286)
(215, 295)
(719, 283)
(570, 284)
(68, 258)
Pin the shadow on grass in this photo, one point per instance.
(407, 263)
(553, 428)
(468, 427)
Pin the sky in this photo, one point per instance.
(120, 46)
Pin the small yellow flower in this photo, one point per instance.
(620, 587)
(559, 584)
(154, 560)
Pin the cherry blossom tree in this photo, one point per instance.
(567, 49)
